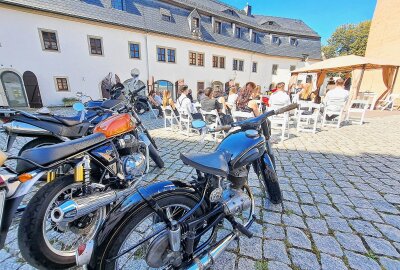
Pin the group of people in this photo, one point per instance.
(245, 99)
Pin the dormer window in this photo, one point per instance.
(218, 27)
(294, 42)
(230, 12)
(276, 40)
(238, 32)
(196, 22)
(118, 4)
(255, 37)
(166, 15)
(270, 23)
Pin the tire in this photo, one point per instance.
(39, 142)
(155, 156)
(31, 240)
(121, 233)
(272, 186)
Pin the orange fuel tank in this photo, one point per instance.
(115, 125)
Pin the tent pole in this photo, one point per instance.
(394, 80)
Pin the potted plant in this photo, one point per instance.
(69, 101)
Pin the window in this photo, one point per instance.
(254, 38)
(238, 64)
(218, 27)
(276, 40)
(274, 69)
(200, 59)
(238, 32)
(292, 68)
(166, 18)
(195, 22)
(95, 46)
(200, 86)
(161, 54)
(254, 67)
(134, 50)
(49, 40)
(294, 42)
(196, 59)
(165, 15)
(218, 61)
(62, 84)
(118, 4)
(171, 55)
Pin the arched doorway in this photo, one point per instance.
(13, 89)
(32, 89)
(217, 85)
(162, 85)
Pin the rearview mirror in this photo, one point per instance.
(78, 107)
(198, 124)
(79, 94)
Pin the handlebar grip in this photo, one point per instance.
(221, 128)
(286, 108)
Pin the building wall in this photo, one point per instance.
(383, 42)
(21, 50)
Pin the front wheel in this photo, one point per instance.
(141, 223)
(43, 243)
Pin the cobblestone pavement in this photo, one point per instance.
(341, 191)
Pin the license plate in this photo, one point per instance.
(2, 201)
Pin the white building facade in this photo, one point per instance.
(71, 52)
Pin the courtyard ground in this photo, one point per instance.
(341, 190)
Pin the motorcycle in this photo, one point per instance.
(173, 224)
(107, 166)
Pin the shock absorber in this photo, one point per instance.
(82, 170)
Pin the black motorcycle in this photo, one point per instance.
(173, 224)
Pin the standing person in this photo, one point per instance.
(168, 101)
(279, 98)
(347, 82)
(185, 105)
(154, 103)
(232, 97)
(189, 95)
(339, 94)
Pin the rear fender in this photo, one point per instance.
(119, 214)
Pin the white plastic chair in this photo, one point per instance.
(389, 102)
(333, 107)
(217, 122)
(239, 115)
(280, 121)
(307, 116)
(357, 106)
(185, 122)
(170, 118)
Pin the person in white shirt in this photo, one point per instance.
(279, 98)
(336, 97)
(184, 104)
(158, 98)
(232, 97)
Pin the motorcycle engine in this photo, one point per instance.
(133, 157)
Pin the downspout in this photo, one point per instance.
(147, 56)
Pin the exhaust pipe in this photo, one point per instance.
(76, 208)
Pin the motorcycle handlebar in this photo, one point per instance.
(221, 128)
(286, 108)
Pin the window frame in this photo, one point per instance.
(218, 61)
(169, 55)
(62, 78)
(218, 28)
(164, 54)
(123, 5)
(274, 71)
(42, 43)
(196, 22)
(254, 37)
(277, 38)
(239, 64)
(254, 64)
(129, 50)
(89, 37)
(164, 18)
(296, 41)
(238, 32)
(198, 62)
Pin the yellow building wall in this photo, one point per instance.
(383, 43)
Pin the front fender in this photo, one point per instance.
(124, 209)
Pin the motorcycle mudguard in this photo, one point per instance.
(122, 212)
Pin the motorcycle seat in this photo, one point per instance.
(69, 120)
(49, 154)
(215, 163)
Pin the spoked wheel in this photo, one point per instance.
(43, 243)
(154, 253)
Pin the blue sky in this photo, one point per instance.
(324, 16)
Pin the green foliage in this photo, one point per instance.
(261, 265)
(348, 39)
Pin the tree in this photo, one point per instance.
(348, 39)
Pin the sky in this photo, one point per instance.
(324, 16)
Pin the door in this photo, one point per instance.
(32, 89)
(200, 86)
(14, 89)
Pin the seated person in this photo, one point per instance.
(232, 97)
(339, 95)
(200, 95)
(168, 101)
(305, 93)
(184, 104)
(154, 103)
(279, 98)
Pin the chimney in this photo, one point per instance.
(247, 9)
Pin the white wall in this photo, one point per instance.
(21, 49)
